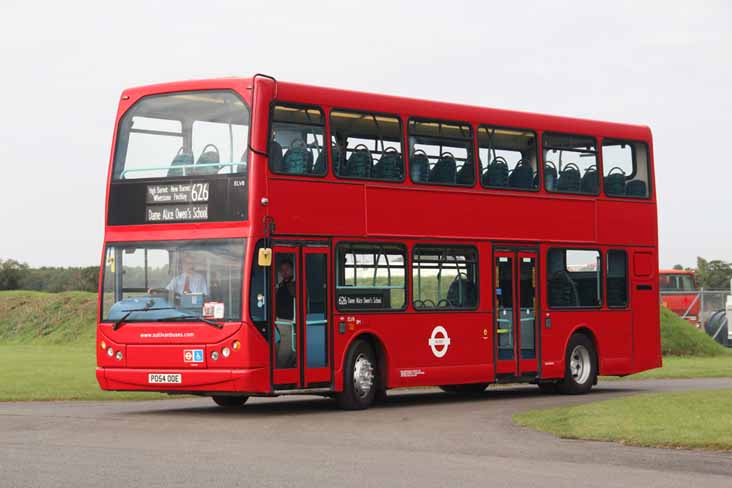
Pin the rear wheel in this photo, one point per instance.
(468, 389)
(359, 382)
(230, 401)
(581, 366)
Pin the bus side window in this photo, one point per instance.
(625, 168)
(298, 134)
(366, 146)
(441, 152)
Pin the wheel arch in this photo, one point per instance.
(586, 330)
(377, 344)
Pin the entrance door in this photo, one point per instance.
(300, 322)
(516, 311)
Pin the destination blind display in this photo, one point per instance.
(152, 202)
(363, 298)
(177, 202)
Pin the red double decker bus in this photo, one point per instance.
(266, 238)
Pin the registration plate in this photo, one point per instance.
(158, 378)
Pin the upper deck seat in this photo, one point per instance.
(298, 159)
(522, 175)
(466, 173)
(615, 182)
(496, 174)
(359, 163)
(181, 159)
(569, 178)
(208, 162)
(590, 183)
(445, 170)
(636, 188)
(419, 166)
(389, 166)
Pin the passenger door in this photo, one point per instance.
(301, 316)
(515, 312)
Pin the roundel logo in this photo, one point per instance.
(439, 341)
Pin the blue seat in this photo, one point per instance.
(389, 166)
(636, 188)
(359, 163)
(298, 159)
(615, 182)
(569, 178)
(466, 173)
(522, 175)
(445, 170)
(419, 166)
(590, 183)
(208, 162)
(181, 159)
(496, 174)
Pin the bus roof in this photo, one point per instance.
(339, 98)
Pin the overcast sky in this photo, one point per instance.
(64, 64)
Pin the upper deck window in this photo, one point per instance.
(625, 168)
(441, 153)
(186, 134)
(366, 146)
(297, 144)
(507, 158)
(570, 164)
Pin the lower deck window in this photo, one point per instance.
(444, 278)
(573, 278)
(371, 277)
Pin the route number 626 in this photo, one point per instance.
(199, 192)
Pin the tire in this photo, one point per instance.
(548, 388)
(580, 371)
(359, 382)
(230, 401)
(467, 389)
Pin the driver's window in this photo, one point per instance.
(297, 142)
(444, 278)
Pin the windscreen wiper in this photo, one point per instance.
(183, 318)
(118, 323)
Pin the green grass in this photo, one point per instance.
(29, 317)
(697, 420)
(687, 367)
(680, 338)
(54, 372)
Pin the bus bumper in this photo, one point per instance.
(254, 380)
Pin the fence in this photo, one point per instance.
(695, 305)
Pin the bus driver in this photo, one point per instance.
(188, 281)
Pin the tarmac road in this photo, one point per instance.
(420, 438)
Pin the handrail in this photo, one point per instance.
(182, 166)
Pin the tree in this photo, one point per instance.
(11, 274)
(678, 267)
(713, 275)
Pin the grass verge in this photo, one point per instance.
(675, 367)
(696, 420)
(53, 372)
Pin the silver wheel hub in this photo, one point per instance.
(363, 376)
(580, 365)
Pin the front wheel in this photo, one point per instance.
(359, 382)
(580, 372)
(230, 401)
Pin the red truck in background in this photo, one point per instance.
(679, 293)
